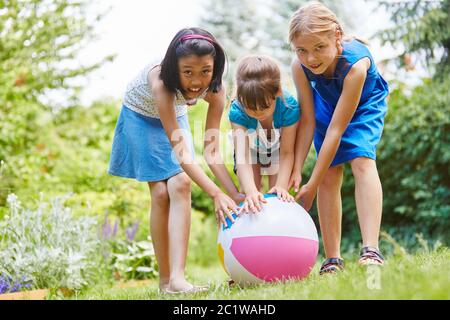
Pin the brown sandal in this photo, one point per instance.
(370, 256)
(331, 265)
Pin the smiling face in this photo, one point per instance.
(195, 74)
(318, 51)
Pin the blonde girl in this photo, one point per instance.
(343, 106)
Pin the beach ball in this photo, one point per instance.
(276, 244)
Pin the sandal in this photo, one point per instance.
(370, 256)
(194, 289)
(331, 265)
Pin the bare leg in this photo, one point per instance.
(369, 199)
(329, 205)
(179, 188)
(159, 224)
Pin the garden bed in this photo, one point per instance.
(40, 294)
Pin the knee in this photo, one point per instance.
(179, 185)
(160, 194)
(332, 179)
(362, 166)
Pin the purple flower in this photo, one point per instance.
(116, 226)
(4, 283)
(106, 229)
(8, 285)
(131, 231)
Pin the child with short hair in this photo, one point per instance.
(264, 122)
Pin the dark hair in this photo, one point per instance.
(199, 47)
(257, 81)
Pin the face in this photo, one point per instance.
(318, 52)
(195, 74)
(262, 114)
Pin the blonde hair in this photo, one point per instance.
(315, 17)
(258, 80)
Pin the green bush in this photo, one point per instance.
(414, 161)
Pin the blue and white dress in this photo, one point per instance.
(141, 149)
(365, 128)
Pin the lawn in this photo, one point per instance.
(420, 276)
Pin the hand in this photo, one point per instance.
(295, 181)
(306, 196)
(238, 197)
(253, 202)
(224, 206)
(282, 194)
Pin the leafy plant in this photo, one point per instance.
(48, 246)
(128, 259)
(134, 260)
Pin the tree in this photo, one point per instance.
(39, 44)
(236, 24)
(423, 29)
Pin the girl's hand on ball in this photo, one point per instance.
(282, 194)
(238, 197)
(253, 202)
(295, 181)
(306, 196)
(224, 206)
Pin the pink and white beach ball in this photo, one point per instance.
(279, 243)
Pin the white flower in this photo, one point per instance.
(12, 198)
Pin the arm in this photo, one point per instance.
(243, 163)
(245, 170)
(307, 121)
(212, 143)
(286, 162)
(345, 109)
(286, 155)
(164, 102)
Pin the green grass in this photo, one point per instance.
(419, 276)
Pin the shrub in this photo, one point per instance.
(48, 246)
(127, 259)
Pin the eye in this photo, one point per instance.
(206, 72)
(187, 72)
(301, 50)
(318, 48)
